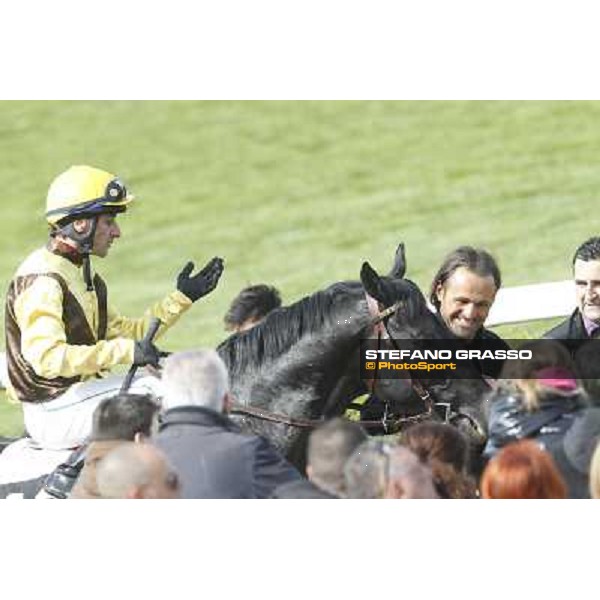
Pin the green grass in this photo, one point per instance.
(298, 194)
(11, 420)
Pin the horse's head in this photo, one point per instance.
(396, 294)
(404, 315)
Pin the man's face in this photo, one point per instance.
(587, 288)
(465, 301)
(107, 231)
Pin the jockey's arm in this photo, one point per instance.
(168, 310)
(39, 313)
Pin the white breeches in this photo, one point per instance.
(66, 421)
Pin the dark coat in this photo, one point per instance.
(510, 421)
(573, 454)
(302, 489)
(215, 459)
(484, 340)
(571, 332)
(571, 328)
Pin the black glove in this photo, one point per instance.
(201, 284)
(145, 353)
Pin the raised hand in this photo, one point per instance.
(201, 284)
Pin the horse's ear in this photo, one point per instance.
(370, 280)
(399, 268)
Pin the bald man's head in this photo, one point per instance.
(136, 471)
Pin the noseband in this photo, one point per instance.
(394, 424)
(442, 409)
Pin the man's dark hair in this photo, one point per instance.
(478, 261)
(122, 416)
(329, 447)
(252, 303)
(589, 250)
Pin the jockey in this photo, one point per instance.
(62, 334)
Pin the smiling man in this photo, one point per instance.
(584, 323)
(62, 334)
(462, 292)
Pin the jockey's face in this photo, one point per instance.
(107, 231)
(587, 288)
(465, 301)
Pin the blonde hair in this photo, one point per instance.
(520, 375)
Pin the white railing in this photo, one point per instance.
(531, 302)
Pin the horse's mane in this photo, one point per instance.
(285, 326)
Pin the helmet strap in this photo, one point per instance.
(87, 273)
(85, 243)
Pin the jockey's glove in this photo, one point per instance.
(145, 353)
(203, 282)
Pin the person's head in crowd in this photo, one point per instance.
(329, 447)
(196, 378)
(446, 451)
(251, 306)
(132, 417)
(378, 469)
(587, 363)
(522, 470)
(464, 288)
(550, 370)
(586, 273)
(136, 471)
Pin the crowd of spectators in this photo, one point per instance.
(192, 449)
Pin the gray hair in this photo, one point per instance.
(195, 378)
(365, 472)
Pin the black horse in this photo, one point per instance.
(301, 364)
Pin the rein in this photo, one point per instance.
(393, 425)
(389, 424)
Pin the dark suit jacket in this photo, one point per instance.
(215, 459)
(571, 332)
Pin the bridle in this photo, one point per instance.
(441, 409)
(429, 405)
(389, 423)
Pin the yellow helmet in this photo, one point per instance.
(83, 192)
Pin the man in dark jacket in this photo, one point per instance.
(584, 323)
(213, 457)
